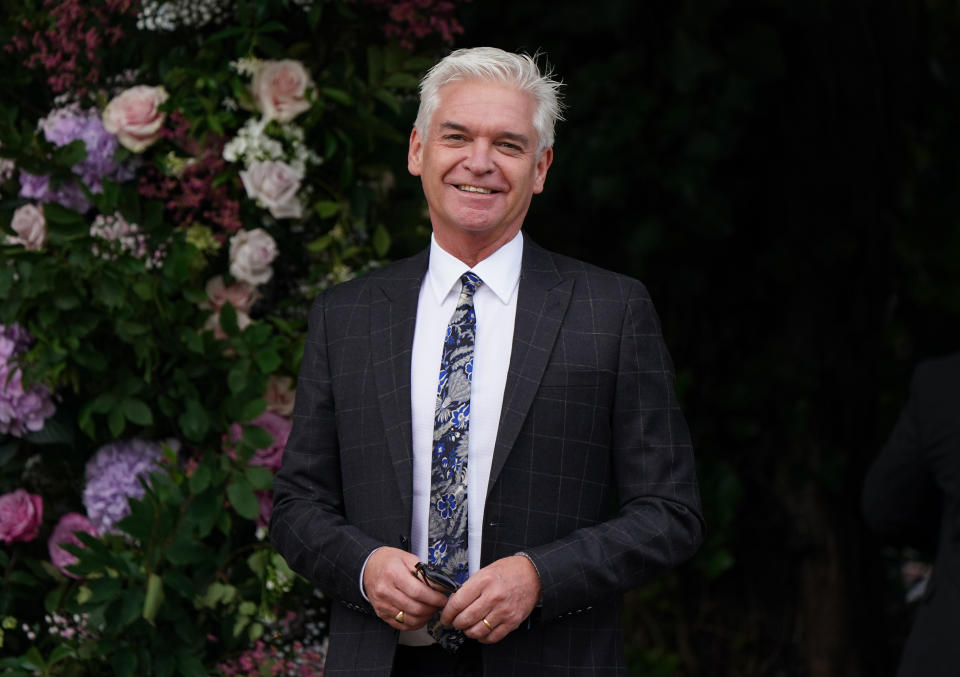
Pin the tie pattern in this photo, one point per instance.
(447, 523)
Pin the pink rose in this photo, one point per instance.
(280, 395)
(274, 185)
(63, 534)
(135, 117)
(251, 253)
(279, 429)
(279, 89)
(241, 295)
(31, 227)
(20, 516)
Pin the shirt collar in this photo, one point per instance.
(500, 271)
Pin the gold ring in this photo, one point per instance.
(399, 617)
(487, 623)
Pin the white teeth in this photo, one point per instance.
(475, 189)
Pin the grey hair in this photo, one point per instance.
(495, 65)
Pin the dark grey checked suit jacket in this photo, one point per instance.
(592, 476)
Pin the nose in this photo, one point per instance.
(479, 160)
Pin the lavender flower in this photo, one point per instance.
(21, 409)
(113, 476)
(63, 126)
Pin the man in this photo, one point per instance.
(547, 470)
(911, 495)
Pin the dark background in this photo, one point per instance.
(782, 175)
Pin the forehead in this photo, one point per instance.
(479, 103)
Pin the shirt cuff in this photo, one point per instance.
(363, 592)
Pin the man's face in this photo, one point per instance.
(478, 162)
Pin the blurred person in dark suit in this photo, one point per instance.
(911, 497)
(548, 469)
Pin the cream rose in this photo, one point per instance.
(280, 88)
(134, 116)
(280, 395)
(274, 184)
(30, 226)
(251, 253)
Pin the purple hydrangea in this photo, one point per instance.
(113, 476)
(61, 127)
(21, 409)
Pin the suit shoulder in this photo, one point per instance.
(402, 272)
(599, 280)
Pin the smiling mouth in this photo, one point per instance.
(476, 189)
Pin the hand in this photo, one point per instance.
(391, 587)
(504, 593)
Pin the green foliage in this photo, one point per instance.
(163, 335)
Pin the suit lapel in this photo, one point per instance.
(542, 301)
(393, 317)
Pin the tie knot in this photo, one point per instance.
(471, 282)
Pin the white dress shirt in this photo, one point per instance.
(495, 303)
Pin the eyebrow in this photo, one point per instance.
(522, 139)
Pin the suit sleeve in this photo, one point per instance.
(900, 498)
(307, 525)
(658, 522)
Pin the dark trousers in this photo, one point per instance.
(434, 661)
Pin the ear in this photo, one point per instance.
(543, 164)
(415, 153)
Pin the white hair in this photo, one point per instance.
(495, 65)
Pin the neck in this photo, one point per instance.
(472, 248)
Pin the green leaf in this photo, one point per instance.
(401, 81)
(381, 241)
(128, 610)
(200, 479)
(259, 477)
(141, 521)
(153, 598)
(237, 376)
(137, 411)
(326, 208)
(268, 360)
(70, 154)
(116, 422)
(190, 666)
(256, 437)
(104, 589)
(243, 499)
(183, 553)
(124, 663)
(253, 409)
(228, 319)
(337, 95)
(194, 421)
(60, 652)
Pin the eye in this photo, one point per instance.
(510, 146)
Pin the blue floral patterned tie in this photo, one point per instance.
(447, 524)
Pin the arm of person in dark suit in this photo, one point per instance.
(658, 523)
(901, 500)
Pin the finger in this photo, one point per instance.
(458, 601)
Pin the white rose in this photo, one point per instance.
(251, 253)
(30, 226)
(279, 89)
(274, 184)
(134, 116)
